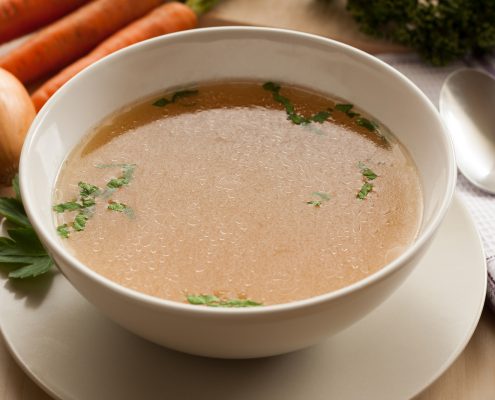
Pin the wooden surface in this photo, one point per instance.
(472, 376)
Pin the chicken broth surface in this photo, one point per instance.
(238, 194)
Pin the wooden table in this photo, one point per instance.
(472, 376)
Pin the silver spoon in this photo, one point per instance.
(467, 107)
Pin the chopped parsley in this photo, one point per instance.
(80, 222)
(367, 172)
(63, 230)
(366, 123)
(320, 117)
(163, 101)
(360, 121)
(214, 301)
(87, 200)
(317, 203)
(88, 190)
(115, 206)
(346, 109)
(292, 115)
(368, 175)
(125, 179)
(365, 189)
(69, 206)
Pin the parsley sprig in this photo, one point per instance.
(292, 115)
(22, 249)
(163, 101)
(214, 301)
(346, 108)
(368, 175)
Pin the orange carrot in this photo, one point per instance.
(71, 37)
(18, 17)
(170, 17)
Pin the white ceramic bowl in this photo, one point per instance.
(186, 58)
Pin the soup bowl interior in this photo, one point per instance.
(219, 54)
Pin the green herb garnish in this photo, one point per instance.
(69, 206)
(214, 301)
(22, 249)
(80, 222)
(88, 190)
(63, 230)
(183, 93)
(320, 117)
(127, 173)
(87, 200)
(366, 123)
(115, 206)
(365, 189)
(346, 109)
(163, 101)
(317, 203)
(296, 118)
(367, 172)
(368, 175)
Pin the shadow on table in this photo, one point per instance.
(32, 290)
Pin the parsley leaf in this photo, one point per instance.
(22, 248)
(15, 185)
(127, 173)
(365, 189)
(163, 101)
(115, 206)
(369, 174)
(316, 203)
(320, 117)
(366, 123)
(87, 189)
(214, 301)
(80, 222)
(37, 267)
(88, 202)
(13, 210)
(296, 118)
(69, 206)
(346, 108)
(63, 230)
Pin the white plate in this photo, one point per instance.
(74, 352)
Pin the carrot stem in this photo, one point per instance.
(201, 6)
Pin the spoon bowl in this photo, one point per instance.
(467, 101)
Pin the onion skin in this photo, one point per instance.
(16, 114)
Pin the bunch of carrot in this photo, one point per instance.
(83, 32)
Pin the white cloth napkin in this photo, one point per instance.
(481, 205)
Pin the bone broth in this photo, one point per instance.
(238, 194)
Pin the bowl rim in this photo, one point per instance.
(63, 253)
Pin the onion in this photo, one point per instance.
(16, 114)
